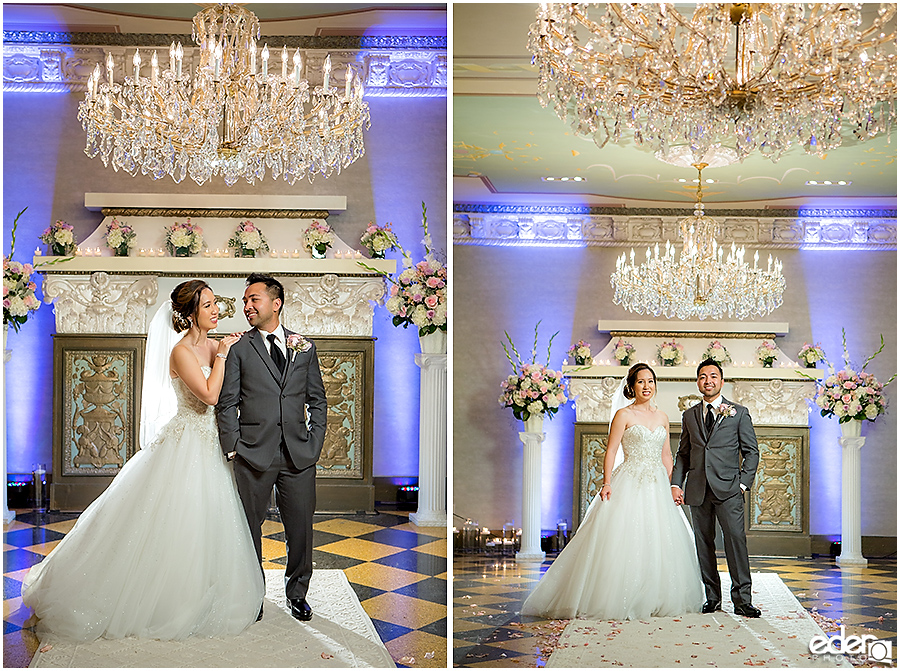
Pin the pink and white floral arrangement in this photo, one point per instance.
(533, 388)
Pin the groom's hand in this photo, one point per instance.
(677, 495)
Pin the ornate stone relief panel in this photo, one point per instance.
(594, 398)
(397, 67)
(98, 411)
(626, 227)
(100, 303)
(593, 452)
(331, 304)
(343, 376)
(776, 499)
(775, 401)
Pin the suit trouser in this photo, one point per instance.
(295, 495)
(730, 514)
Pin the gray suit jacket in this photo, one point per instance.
(259, 407)
(724, 459)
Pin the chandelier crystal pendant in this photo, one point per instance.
(750, 76)
(701, 281)
(231, 118)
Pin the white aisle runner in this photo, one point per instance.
(340, 635)
(779, 638)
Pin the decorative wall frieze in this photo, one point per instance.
(593, 398)
(100, 303)
(775, 401)
(330, 305)
(632, 227)
(390, 67)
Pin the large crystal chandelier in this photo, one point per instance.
(232, 118)
(751, 76)
(702, 281)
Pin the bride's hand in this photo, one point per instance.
(605, 492)
(226, 343)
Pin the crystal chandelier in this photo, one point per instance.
(232, 118)
(699, 282)
(752, 76)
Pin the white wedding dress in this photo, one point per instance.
(165, 552)
(633, 556)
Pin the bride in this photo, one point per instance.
(633, 555)
(165, 552)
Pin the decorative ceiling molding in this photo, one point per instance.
(574, 227)
(390, 66)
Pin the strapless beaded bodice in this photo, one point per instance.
(195, 414)
(642, 448)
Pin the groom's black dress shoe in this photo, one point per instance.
(711, 607)
(300, 609)
(747, 610)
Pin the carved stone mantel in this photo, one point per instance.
(332, 304)
(100, 303)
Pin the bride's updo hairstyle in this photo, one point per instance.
(185, 302)
(632, 378)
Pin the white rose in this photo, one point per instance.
(535, 408)
(871, 411)
(64, 237)
(420, 316)
(440, 314)
(114, 239)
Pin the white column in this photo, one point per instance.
(851, 505)
(432, 511)
(8, 515)
(531, 498)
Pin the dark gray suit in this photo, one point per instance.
(715, 466)
(262, 415)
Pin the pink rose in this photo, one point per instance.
(431, 301)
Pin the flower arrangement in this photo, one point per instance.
(59, 238)
(119, 237)
(317, 238)
(670, 353)
(184, 239)
(581, 353)
(810, 354)
(767, 353)
(418, 295)
(623, 351)
(298, 343)
(725, 410)
(848, 394)
(247, 240)
(532, 389)
(378, 239)
(717, 352)
(19, 300)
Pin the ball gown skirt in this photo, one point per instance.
(165, 552)
(633, 556)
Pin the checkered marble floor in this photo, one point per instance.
(398, 571)
(488, 593)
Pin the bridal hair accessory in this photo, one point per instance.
(180, 322)
(298, 343)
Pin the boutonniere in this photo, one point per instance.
(298, 343)
(726, 410)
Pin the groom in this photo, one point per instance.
(718, 455)
(272, 376)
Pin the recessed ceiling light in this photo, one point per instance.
(563, 179)
(828, 182)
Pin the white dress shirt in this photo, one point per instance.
(279, 340)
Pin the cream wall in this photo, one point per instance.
(45, 169)
(511, 288)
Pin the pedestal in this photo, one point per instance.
(8, 515)
(851, 507)
(432, 510)
(532, 438)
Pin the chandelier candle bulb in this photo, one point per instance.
(347, 81)
(265, 64)
(327, 72)
(137, 65)
(284, 59)
(109, 69)
(154, 66)
(296, 68)
(252, 58)
(172, 59)
(179, 55)
(218, 62)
